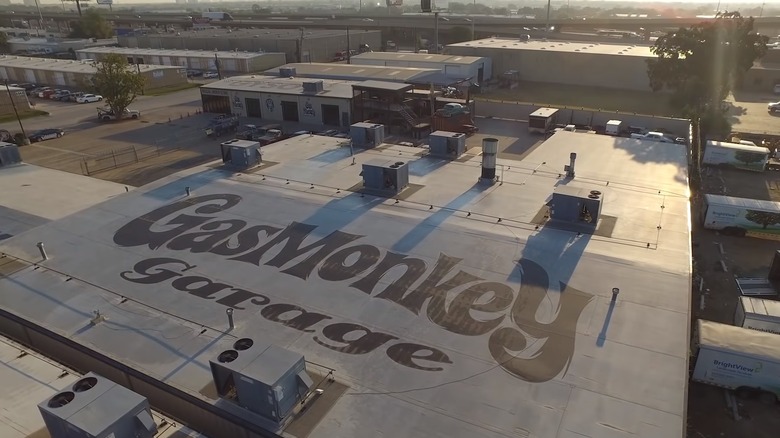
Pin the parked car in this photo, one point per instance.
(75, 96)
(88, 98)
(777, 88)
(106, 114)
(46, 134)
(46, 92)
(210, 75)
(60, 95)
(194, 73)
(773, 107)
(653, 136)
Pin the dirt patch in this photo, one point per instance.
(708, 414)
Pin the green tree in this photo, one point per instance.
(701, 64)
(92, 25)
(117, 82)
(748, 157)
(763, 218)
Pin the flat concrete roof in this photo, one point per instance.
(35, 195)
(65, 65)
(30, 378)
(273, 34)
(417, 57)
(352, 71)
(445, 309)
(279, 85)
(560, 46)
(186, 53)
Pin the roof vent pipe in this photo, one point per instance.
(489, 151)
(42, 250)
(570, 168)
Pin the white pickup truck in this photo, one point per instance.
(106, 114)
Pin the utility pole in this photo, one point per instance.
(349, 54)
(436, 32)
(25, 141)
(548, 15)
(40, 18)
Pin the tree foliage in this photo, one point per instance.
(763, 218)
(701, 64)
(118, 82)
(459, 34)
(92, 25)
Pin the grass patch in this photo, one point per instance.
(23, 115)
(171, 89)
(573, 96)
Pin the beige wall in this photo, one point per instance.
(586, 69)
(155, 79)
(259, 63)
(19, 98)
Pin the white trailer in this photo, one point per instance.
(739, 215)
(758, 314)
(740, 156)
(615, 127)
(746, 361)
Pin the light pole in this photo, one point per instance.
(436, 32)
(25, 141)
(40, 18)
(472, 27)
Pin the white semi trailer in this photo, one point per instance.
(744, 360)
(740, 156)
(739, 215)
(758, 314)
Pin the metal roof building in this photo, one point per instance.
(239, 62)
(453, 67)
(592, 64)
(70, 73)
(450, 309)
(351, 72)
(319, 45)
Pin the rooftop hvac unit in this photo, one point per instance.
(241, 154)
(287, 72)
(367, 135)
(576, 205)
(313, 86)
(262, 378)
(385, 176)
(95, 407)
(9, 154)
(447, 144)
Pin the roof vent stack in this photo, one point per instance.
(262, 378)
(489, 152)
(97, 407)
(570, 168)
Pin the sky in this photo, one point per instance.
(724, 3)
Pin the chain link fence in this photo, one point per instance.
(122, 157)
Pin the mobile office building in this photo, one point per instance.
(740, 156)
(542, 120)
(744, 360)
(758, 314)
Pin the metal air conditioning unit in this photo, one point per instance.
(262, 378)
(367, 135)
(9, 154)
(447, 144)
(287, 72)
(241, 154)
(95, 407)
(313, 86)
(576, 205)
(385, 176)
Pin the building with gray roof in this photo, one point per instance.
(307, 45)
(74, 74)
(355, 72)
(587, 64)
(452, 67)
(230, 62)
(449, 308)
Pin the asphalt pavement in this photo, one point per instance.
(749, 113)
(76, 117)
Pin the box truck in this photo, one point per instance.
(216, 16)
(738, 216)
(758, 314)
(740, 156)
(746, 361)
(616, 128)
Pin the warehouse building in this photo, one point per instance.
(309, 45)
(19, 99)
(230, 62)
(310, 101)
(75, 74)
(561, 62)
(380, 291)
(354, 72)
(451, 68)
(55, 45)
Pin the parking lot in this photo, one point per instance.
(748, 113)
